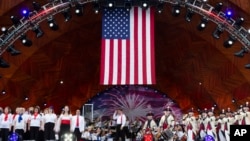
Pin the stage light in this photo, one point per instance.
(4, 30)
(79, 10)
(202, 24)
(36, 6)
(26, 13)
(128, 5)
(96, 7)
(160, 7)
(38, 31)
(26, 98)
(111, 4)
(218, 7)
(15, 20)
(11, 49)
(25, 41)
(68, 137)
(3, 92)
(247, 66)
(67, 15)
(3, 63)
(239, 22)
(13, 137)
(189, 15)
(241, 52)
(176, 10)
(228, 14)
(229, 42)
(217, 32)
(144, 4)
(52, 24)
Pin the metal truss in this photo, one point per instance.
(56, 6)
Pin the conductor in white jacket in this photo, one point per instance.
(77, 125)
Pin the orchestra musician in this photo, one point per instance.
(149, 127)
(189, 121)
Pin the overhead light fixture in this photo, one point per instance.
(4, 30)
(144, 4)
(228, 14)
(202, 25)
(25, 41)
(3, 63)
(36, 6)
(96, 7)
(67, 15)
(238, 22)
(79, 9)
(38, 31)
(3, 92)
(52, 24)
(217, 32)
(128, 5)
(218, 7)
(26, 13)
(160, 7)
(176, 10)
(11, 49)
(110, 4)
(189, 15)
(15, 20)
(229, 42)
(241, 52)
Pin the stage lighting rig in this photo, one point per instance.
(189, 15)
(37, 7)
(229, 42)
(202, 24)
(241, 52)
(3, 63)
(25, 41)
(176, 10)
(217, 32)
(11, 49)
(52, 24)
(218, 7)
(15, 20)
(67, 15)
(38, 31)
(79, 9)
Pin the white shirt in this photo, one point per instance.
(5, 123)
(35, 121)
(120, 119)
(50, 118)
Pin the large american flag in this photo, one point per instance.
(127, 50)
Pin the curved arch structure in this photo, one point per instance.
(199, 7)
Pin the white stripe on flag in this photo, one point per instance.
(107, 58)
(115, 59)
(148, 48)
(132, 47)
(123, 65)
(140, 49)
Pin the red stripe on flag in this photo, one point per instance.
(136, 45)
(111, 62)
(119, 53)
(152, 45)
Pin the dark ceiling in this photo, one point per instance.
(192, 67)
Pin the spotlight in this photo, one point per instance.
(248, 31)
(4, 30)
(247, 66)
(176, 10)
(229, 42)
(144, 4)
(68, 137)
(202, 24)
(52, 24)
(26, 98)
(11, 49)
(160, 7)
(111, 4)
(38, 31)
(3, 92)
(25, 40)
(36, 6)
(96, 7)
(189, 15)
(3, 63)
(217, 32)
(204, 1)
(241, 52)
(26, 13)
(239, 22)
(67, 15)
(79, 10)
(228, 14)
(218, 7)
(15, 20)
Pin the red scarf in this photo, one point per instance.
(6, 117)
(35, 115)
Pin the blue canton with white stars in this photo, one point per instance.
(115, 23)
